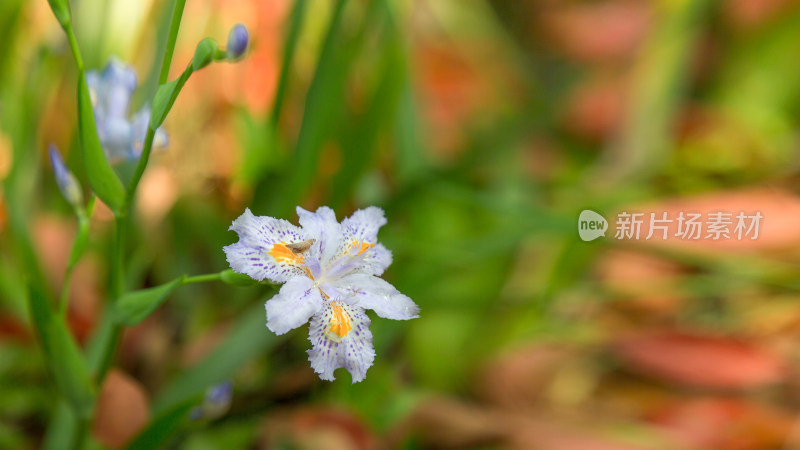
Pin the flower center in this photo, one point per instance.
(348, 261)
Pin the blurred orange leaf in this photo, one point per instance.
(777, 229)
(700, 360)
(122, 410)
(723, 423)
(598, 31)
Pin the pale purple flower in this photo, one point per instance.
(330, 271)
(111, 91)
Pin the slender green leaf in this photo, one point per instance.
(175, 25)
(295, 26)
(81, 241)
(135, 306)
(322, 110)
(61, 352)
(63, 427)
(360, 145)
(165, 97)
(99, 350)
(162, 102)
(102, 179)
(412, 164)
(657, 90)
(61, 11)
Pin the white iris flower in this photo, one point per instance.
(330, 273)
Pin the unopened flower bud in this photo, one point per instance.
(216, 403)
(67, 183)
(237, 41)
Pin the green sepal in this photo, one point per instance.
(162, 102)
(102, 179)
(236, 279)
(135, 306)
(61, 353)
(204, 53)
(165, 97)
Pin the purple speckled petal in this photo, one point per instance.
(358, 249)
(354, 352)
(375, 260)
(378, 295)
(256, 238)
(364, 224)
(296, 302)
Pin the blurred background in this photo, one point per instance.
(483, 128)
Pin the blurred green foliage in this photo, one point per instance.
(483, 230)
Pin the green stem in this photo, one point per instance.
(103, 351)
(78, 248)
(137, 175)
(73, 44)
(83, 432)
(177, 13)
(117, 257)
(202, 278)
(65, 287)
(148, 142)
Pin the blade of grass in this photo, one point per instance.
(260, 139)
(296, 19)
(62, 354)
(62, 428)
(659, 82)
(177, 14)
(410, 158)
(322, 111)
(322, 100)
(361, 143)
(19, 117)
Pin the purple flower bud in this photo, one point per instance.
(220, 394)
(215, 403)
(66, 181)
(237, 41)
